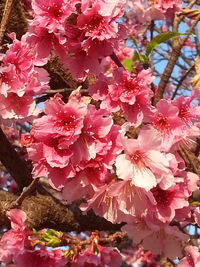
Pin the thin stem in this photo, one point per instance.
(116, 60)
(181, 81)
(26, 192)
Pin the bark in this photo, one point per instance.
(16, 166)
(45, 212)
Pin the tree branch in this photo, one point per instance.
(177, 44)
(115, 58)
(45, 212)
(16, 166)
(5, 18)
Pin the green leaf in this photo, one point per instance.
(195, 203)
(140, 57)
(128, 64)
(36, 243)
(161, 38)
(51, 238)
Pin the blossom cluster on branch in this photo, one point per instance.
(120, 149)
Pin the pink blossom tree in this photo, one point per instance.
(99, 133)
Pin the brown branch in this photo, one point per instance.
(65, 90)
(177, 44)
(25, 193)
(115, 58)
(190, 159)
(5, 18)
(45, 212)
(16, 166)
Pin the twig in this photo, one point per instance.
(68, 240)
(181, 80)
(5, 18)
(64, 90)
(116, 60)
(196, 38)
(152, 29)
(26, 192)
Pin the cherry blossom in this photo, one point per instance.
(142, 162)
(83, 91)
(13, 241)
(52, 14)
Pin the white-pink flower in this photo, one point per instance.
(142, 160)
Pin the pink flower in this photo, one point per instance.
(80, 64)
(21, 57)
(96, 26)
(192, 257)
(131, 93)
(167, 202)
(167, 8)
(9, 81)
(117, 201)
(80, 186)
(142, 161)
(15, 107)
(166, 118)
(111, 8)
(73, 137)
(43, 258)
(87, 259)
(63, 121)
(13, 241)
(128, 87)
(110, 256)
(98, 256)
(105, 7)
(40, 41)
(168, 4)
(20, 81)
(158, 239)
(167, 240)
(51, 14)
(166, 121)
(188, 113)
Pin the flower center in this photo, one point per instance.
(161, 123)
(55, 11)
(130, 86)
(95, 23)
(163, 197)
(137, 157)
(68, 123)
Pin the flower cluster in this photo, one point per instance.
(127, 157)
(79, 31)
(73, 139)
(20, 80)
(18, 245)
